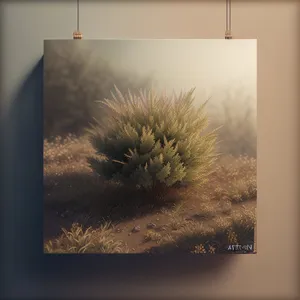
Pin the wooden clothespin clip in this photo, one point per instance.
(228, 35)
(77, 35)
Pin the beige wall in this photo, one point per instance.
(276, 24)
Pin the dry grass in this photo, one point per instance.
(190, 236)
(176, 219)
(222, 223)
(63, 151)
(152, 235)
(201, 249)
(78, 240)
(204, 238)
(244, 219)
(216, 218)
(235, 178)
(207, 210)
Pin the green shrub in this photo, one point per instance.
(152, 140)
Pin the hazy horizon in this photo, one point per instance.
(211, 66)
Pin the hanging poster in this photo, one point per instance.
(150, 146)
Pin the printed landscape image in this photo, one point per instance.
(150, 146)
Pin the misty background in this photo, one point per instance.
(79, 73)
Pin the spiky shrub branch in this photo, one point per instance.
(152, 140)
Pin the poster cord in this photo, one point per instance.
(228, 35)
(77, 35)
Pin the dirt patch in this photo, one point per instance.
(143, 221)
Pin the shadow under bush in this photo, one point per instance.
(74, 194)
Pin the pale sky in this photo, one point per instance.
(215, 67)
(210, 65)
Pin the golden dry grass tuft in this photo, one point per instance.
(152, 235)
(78, 240)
